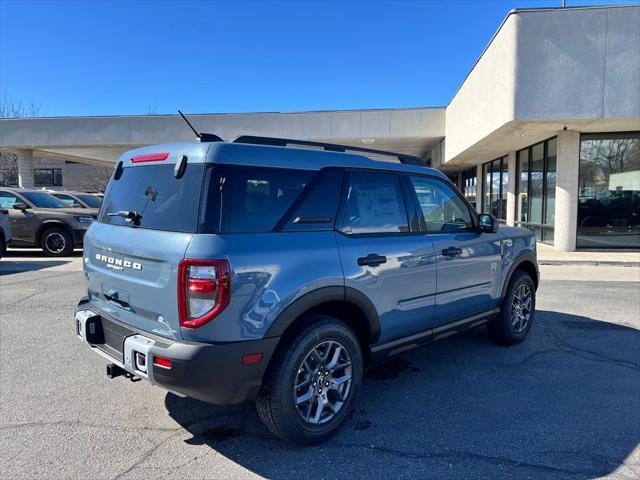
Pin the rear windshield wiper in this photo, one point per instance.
(131, 216)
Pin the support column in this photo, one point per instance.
(566, 218)
(479, 189)
(511, 189)
(25, 168)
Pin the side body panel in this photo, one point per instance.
(269, 272)
(468, 283)
(403, 288)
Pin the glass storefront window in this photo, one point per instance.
(536, 189)
(609, 191)
(495, 188)
(523, 186)
(470, 185)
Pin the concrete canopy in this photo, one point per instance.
(103, 139)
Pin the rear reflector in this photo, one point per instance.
(162, 362)
(150, 157)
(251, 359)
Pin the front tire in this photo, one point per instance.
(56, 242)
(517, 311)
(311, 384)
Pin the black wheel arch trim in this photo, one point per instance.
(522, 257)
(322, 295)
(47, 224)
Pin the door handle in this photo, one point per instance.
(451, 251)
(372, 259)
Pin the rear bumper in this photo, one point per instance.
(211, 373)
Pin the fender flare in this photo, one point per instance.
(523, 256)
(55, 224)
(322, 295)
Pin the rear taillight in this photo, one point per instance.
(204, 290)
(4, 212)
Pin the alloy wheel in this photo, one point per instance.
(323, 382)
(521, 308)
(55, 242)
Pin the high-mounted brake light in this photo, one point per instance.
(204, 290)
(150, 157)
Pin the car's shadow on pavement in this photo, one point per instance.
(558, 405)
(20, 261)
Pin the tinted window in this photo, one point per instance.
(91, 200)
(318, 206)
(67, 199)
(8, 200)
(443, 210)
(373, 204)
(43, 200)
(251, 199)
(163, 201)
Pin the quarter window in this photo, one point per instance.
(374, 204)
(442, 209)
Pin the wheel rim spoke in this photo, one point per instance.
(323, 382)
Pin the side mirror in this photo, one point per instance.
(20, 206)
(488, 223)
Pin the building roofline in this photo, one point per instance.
(531, 10)
(302, 112)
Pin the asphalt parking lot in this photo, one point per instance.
(564, 404)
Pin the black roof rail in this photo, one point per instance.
(283, 142)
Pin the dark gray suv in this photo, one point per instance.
(254, 270)
(38, 219)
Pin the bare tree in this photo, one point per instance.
(10, 108)
(99, 178)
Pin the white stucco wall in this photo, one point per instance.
(549, 66)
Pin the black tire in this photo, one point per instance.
(3, 247)
(276, 404)
(56, 242)
(506, 329)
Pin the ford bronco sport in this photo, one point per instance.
(257, 269)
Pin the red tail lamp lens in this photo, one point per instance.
(150, 157)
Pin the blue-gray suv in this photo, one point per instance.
(278, 270)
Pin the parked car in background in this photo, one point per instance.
(5, 230)
(251, 270)
(38, 219)
(77, 199)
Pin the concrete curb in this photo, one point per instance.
(591, 263)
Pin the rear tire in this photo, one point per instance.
(318, 370)
(517, 311)
(3, 247)
(56, 242)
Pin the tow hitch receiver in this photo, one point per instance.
(114, 371)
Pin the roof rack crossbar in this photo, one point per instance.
(283, 142)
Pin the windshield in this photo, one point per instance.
(91, 200)
(43, 200)
(162, 201)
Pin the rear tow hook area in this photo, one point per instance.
(114, 371)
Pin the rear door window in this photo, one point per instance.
(162, 201)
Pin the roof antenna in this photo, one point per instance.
(202, 137)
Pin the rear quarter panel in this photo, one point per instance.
(269, 272)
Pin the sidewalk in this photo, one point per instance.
(548, 256)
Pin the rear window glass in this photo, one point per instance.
(251, 199)
(162, 201)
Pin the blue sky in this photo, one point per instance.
(120, 57)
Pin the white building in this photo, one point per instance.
(539, 133)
